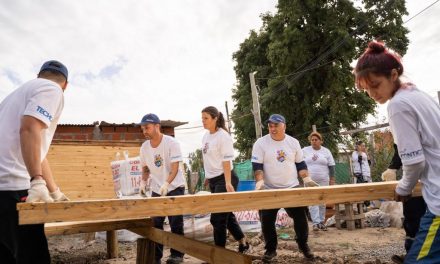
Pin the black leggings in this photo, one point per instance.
(223, 221)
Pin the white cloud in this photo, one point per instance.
(127, 58)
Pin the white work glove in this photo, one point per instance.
(163, 191)
(38, 192)
(58, 196)
(259, 185)
(308, 182)
(389, 175)
(145, 187)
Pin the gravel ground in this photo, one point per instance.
(368, 245)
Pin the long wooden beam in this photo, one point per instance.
(68, 228)
(114, 209)
(200, 250)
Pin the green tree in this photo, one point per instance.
(303, 54)
(196, 160)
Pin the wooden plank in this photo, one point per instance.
(32, 213)
(68, 228)
(125, 143)
(200, 250)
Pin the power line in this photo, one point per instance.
(313, 62)
(423, 10)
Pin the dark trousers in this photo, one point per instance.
(268, 219)
(176, 224)
(21, 244)
(224, 221)
(413, 210)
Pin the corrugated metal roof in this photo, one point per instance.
(164, 123)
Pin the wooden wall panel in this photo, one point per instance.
(83, 172)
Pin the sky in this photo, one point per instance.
(170, 57)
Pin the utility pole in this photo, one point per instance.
(313, 128)
(227, 115)
(255, 106)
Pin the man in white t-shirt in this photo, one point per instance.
(277, 161)
(160, 157)
(28, 119)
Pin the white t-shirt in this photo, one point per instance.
(318, 162)
(278, 159)
(415, 123)
(39, 98)
(357, 168)
(159, 161)
(216, 149)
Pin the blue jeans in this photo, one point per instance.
(426, 246)
(317, 212)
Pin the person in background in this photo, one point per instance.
(218, 153)
(414, 119)
(277, 161)
(160, 157)
(361, 164)
(28, 120)
(413, 209)
(321, 167)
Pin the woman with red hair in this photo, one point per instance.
(414, 119)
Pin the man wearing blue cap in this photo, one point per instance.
(160, 157)
(277, 161)
(28, 119)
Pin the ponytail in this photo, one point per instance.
(214, 113)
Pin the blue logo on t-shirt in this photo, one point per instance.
(158, 160)
(42, 111)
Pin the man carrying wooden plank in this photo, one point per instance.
(28, 119)
(160, 156)
(277, 160)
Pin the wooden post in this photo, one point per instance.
(146, 251)
(255, 106)
(89, 237)
(112, 244)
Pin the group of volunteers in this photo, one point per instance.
(29, 116)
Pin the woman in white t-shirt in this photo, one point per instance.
(218, 153)
(321, 166)
(414, 119)
(361, 164)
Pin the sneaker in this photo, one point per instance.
(243, 248)
(304, 248)
(322, 227)
(316, 227)
(174, 260)
(268, 256)
(398, 259)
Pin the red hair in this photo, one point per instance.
(378, 60)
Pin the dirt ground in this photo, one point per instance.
(368, 245)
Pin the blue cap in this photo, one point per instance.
(54, 65)
(276, 118)
(149, 119)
